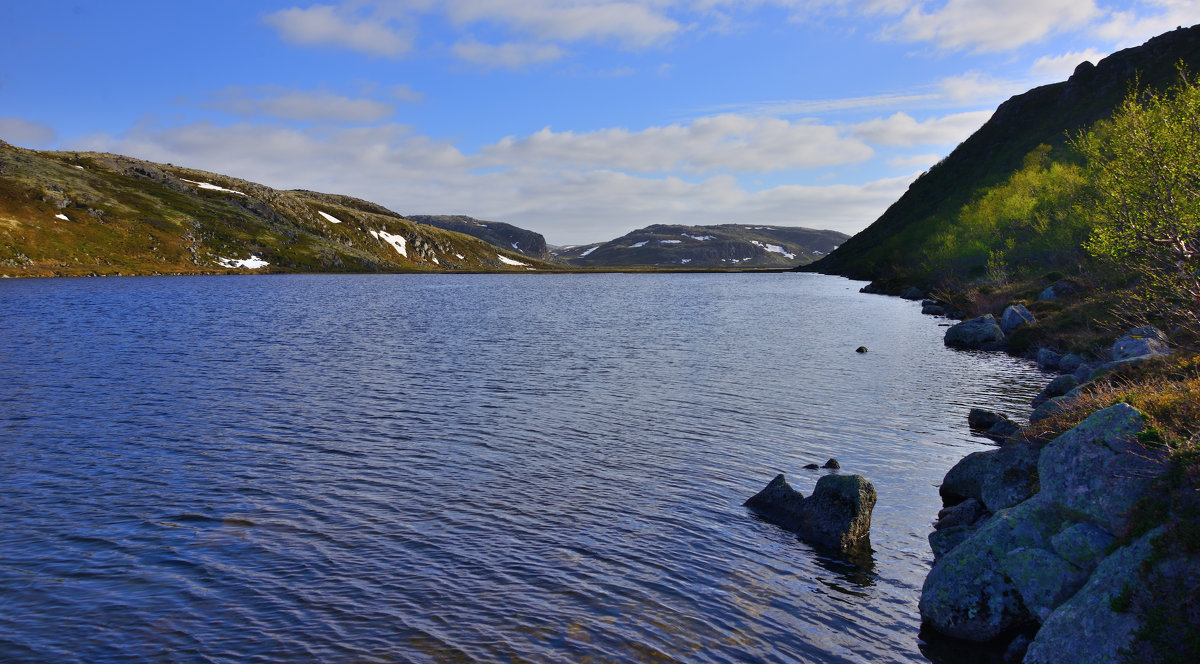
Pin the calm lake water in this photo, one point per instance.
(466, 468)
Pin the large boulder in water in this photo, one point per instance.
(981, 333)
(838, 514)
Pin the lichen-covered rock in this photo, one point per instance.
(981, 333)
(1086, 626)
(1014, 316)
(1083, 545)
(972, 591)
(962, 514)
(1003, 431)
(1057, 388)
(1099, 469)
(1141, 342)
(944, 540)
(998, 478)
(1070, 362)
(778, 503)
(837, 514)
(1043, 580)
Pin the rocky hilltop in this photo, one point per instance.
(1050, 114)
(721, 246)
(67, 213)
(496, 233)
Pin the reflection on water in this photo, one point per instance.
(466, 468)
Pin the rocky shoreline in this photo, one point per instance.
(1036, 544)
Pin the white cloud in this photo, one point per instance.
(1132, 27)
(506, 56)
(1060, 67)
(326, 25)
(285, 104)
(974, 88)
(19, 131)
(901, 129)
(811, 106)
(991, 25)
(413, 174)
(635, 24)
(405, 93)
(921, 161)
(719, 143)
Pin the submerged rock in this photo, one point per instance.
(838, 514)
(981, 333)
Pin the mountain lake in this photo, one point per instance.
(467, 468)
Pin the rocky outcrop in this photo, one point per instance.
(1146, 341)
(1030, 547)
(981, 333)
(838, 514)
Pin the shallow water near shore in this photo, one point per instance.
(466, 468)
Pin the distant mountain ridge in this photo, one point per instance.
(497, 233)
(68, 213)
(720, 246)
(1045, 115)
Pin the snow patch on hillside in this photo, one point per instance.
(397, 241)
(702, 238)
(775, 249)
(508, 261)
(588, 252)
(252, 263)
(329, 217)
(211, 187)
(62, 216)
(639, 244)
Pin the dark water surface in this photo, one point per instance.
(465, 468)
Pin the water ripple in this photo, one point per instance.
(466, 468)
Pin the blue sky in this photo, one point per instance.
(579, 119)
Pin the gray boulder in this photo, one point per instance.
(1049, 408)
(1070, 362)
(963, 514)
(1058, 387)
(1060, 289)
(1003, 431)
(1014, 316)
(1083, 545)
(837, 514)
(1047, 359)
(972, 592)
(1086, 625)
(1141, 342)
(1099, 469)
(913, 293)
(979, 418)
(997, 478)
(933, 309)
(981, 333)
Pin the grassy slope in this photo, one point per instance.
(891, 247)
(127, 216)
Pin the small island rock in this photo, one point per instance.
(838, 514)
(981, 333)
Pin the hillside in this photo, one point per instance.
(65, 213)
(892, 246)
(723, 246)
(496, 233)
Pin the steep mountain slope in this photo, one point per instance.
(64, 213)
(1046, 115)
(500, 234)
(727, 245)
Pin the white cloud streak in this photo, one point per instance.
(298, 105)
(902, 130)
(1060, 67)
(511, 55)
(326, 25)
(991, 25)
(25, 133)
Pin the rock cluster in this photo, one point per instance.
(837, 514)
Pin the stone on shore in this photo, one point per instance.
(1014, 316)
(1047, 359)
(1058, 387)
(1145, 341)
(837, 514)
(981, 333)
